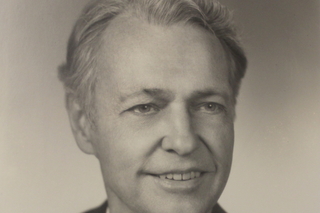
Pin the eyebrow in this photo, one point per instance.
(208, 93)
(151, 92)
(166, 95)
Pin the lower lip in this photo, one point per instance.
(176, 186)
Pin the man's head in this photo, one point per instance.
(151, 88)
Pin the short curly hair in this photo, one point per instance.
(79, 72)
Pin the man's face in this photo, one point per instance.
(164, 118)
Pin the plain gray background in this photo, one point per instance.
(276, 161)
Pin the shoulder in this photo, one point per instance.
(217, 209)
(101, 209)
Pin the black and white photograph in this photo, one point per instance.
(160, 106)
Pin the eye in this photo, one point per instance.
(210, 108)
(144, 109)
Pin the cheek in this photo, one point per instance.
(220, 140)
(123, 145)
(225, 146)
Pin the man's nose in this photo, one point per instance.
(181, 137)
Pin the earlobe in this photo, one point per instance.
(80, 124)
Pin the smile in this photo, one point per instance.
(182, 181)
(181, 176)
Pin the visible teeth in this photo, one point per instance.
(186, 176)
(197, 174)
(177, 176)
(192, 175)
(181, 176)
(163, 176)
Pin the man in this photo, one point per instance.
(151, 88)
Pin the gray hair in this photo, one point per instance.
(79, 73)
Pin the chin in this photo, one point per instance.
(184, 209)
(185, 205)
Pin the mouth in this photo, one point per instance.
(181, 181)
(181, 176)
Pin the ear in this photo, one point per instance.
(80, 124)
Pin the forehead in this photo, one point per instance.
(134, 53)
(127, 32)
